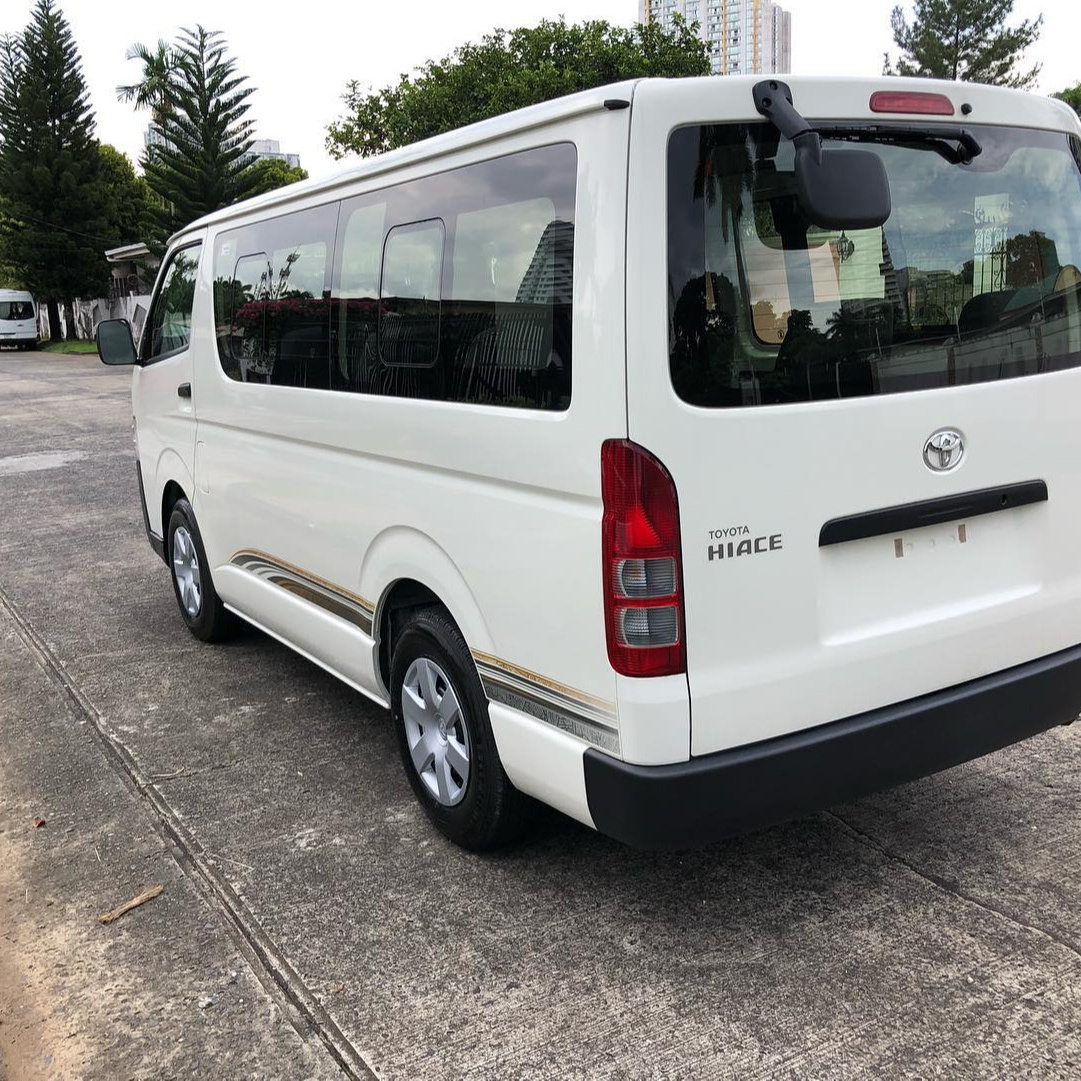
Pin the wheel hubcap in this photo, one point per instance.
(435, 731)
(186, 571)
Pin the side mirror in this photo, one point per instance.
(115, 343)
(841, 188)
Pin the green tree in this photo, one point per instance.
(1072, 97)
(508, 70)
(152, 90)
(128, 198)
(964, 39)
(50, 167)
(199, 107)
(9, 276)
(271, 173)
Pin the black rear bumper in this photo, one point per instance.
(719, 795)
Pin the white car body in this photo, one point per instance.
(21, 330)
(319, 508)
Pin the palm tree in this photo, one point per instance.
(154, 90)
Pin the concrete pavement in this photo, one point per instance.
(930, 931)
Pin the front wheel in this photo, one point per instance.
(200, 606)
(445, 737)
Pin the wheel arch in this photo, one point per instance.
(170, 475)
(407, 570)
(170, 496)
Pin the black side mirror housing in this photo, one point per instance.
(842, 187)
(838, 188)
(115, 342)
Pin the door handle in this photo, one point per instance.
(184, 390)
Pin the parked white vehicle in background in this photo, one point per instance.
(655, 452)
(18, 319)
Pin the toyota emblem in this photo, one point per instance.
(944, 450)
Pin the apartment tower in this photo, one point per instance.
(745, 37)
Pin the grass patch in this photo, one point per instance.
(69, 347)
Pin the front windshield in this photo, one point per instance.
(975, 276)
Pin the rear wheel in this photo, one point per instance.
(200, 606)
(445, 737)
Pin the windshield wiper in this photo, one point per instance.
(938, 139)
(773, 99)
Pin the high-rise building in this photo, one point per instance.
(745, 37)
(260, 149)
(549, 277)
(271, 149)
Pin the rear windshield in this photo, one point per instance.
(16, 309)
(976, 276)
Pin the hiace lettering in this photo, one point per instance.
(749, 546)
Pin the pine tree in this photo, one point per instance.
(964, 39)
(199, 105)
(50, 183)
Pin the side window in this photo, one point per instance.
(272, 302)
(168, 330)
(473, 299)
(246, 343)
(508, 316)
(409, 293)
(360, 242)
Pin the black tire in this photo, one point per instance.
(491, 812)
(211, 622)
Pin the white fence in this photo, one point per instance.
(88, 313)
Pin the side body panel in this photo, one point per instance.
(495, 510)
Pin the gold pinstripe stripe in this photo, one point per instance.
(584, 715)
(354, 597)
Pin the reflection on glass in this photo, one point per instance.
(475, 297)
(170, 321)
(410, 294)
(271, 305)
(974, 277)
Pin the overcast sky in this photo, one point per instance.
(300, 56)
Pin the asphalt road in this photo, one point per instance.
(313, 925)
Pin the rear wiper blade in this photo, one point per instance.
(938, 139)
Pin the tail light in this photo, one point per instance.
(643, 573)
(911, 101)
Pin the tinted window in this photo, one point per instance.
(246, 319)
(168, 330)
(410, 293)
(975, 276)
(271, 299)
(474, 303)
(356, 300)
(16, 309)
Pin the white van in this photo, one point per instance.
(18, 319)
(655, 452)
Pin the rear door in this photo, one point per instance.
(789, 377)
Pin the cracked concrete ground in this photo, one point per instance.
(930, 931)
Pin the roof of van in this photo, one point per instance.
(497, 127)
(831, 97)
(15, 294)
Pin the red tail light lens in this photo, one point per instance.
(911, 101)
(643, 573)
